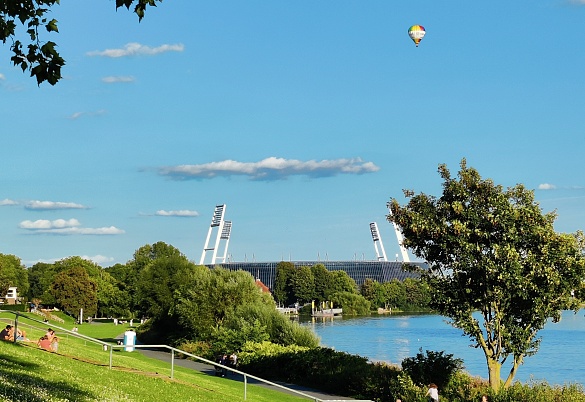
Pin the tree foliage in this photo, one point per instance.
(491, 250)
(12, 273)
(74, 290)
(432, 367)
(282, 288)
(40, 58)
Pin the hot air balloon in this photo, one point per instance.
(416, 33)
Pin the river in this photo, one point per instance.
(391, 338)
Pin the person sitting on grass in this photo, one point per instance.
(20, 335)
(55, 343)
(5, 333)
(45, 343)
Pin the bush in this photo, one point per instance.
(540, 392)
(198, 348)
(352, 303)
(435, 367)
(322, 368)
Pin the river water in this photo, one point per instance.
(391, 338)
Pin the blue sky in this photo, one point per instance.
(303, 117)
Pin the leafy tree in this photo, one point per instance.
(341, 282)
(131, 273)
(374, 292)
(434, 367)
(416, 293)
(41, 58)
(322, 280)
(351, 303)
(111, 300)
(157, 283)
(394, 293)
(74, 290)
(492, 250)
(282, 292)
(303, 284)
(208, 298)
(40, 277)
(12, 273)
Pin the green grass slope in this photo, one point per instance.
(80, 372)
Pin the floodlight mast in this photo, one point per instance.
(225, 235)
(377, 239)
(403, 252)
(216, 222)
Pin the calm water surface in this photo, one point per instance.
(560, 359)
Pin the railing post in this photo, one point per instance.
(172, 363)
(15, 332)
(245, 386)
(111, 349)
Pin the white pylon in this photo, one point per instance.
(223, 233)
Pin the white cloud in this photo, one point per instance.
(546, 186)
(78, 115)
(98, 259)
(181, 213)
(577, 2)
(115, 79)
(44, 224)
(2, 76)
(7, 201)
(270, 168)
(136, 49)
(48, 205)
(66, 227)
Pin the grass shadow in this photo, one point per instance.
(23, 382)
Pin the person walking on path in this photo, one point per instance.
(433, 393)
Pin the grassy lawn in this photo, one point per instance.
(79, 372)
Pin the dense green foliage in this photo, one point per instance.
(74, 291)
(432, 367)
(12, 273)
(42, 58)
(318, 285)
(353, 376)
(492, 251)
(408, 295)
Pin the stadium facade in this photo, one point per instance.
(359, 271)
(380, 270)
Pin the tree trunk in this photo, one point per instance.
(515, 365)
(494, 368)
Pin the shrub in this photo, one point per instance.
(197, 348)
(435, 367)
(541, 392)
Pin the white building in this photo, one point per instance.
(11, 295)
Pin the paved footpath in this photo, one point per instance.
(208, 369)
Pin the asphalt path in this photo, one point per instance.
(210, 370)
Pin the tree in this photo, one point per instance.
(41, 58)
(133, 272)
(40, 277)
(340, 282)
(208, 298)
(491, 250)
(303, 284)
(12, 273)
(282, 291)
(322, 280)
(351, 303)
(158, 281)
(74, 290)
